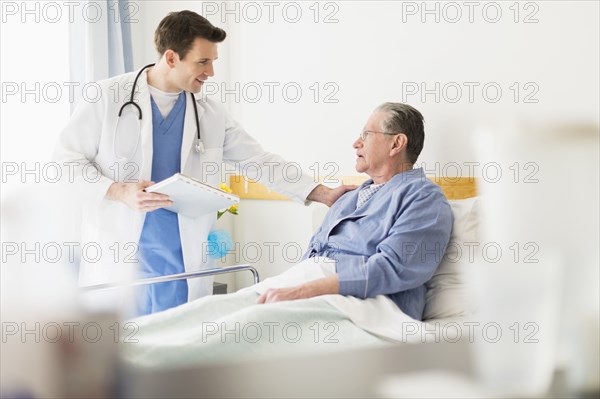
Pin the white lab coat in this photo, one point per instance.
(114, 227)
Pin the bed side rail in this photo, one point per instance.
(175, 277)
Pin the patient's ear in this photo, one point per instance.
(399, 144)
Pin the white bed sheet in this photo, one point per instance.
(223, 328)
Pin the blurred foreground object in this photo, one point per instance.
(541, 206)
(51, 346)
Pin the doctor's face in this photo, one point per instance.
(373, 147)
(190, 73)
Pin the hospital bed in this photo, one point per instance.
(271, 374)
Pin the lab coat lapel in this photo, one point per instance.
(189, 128)
(143, 100)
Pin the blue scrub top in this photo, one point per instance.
(160, 243)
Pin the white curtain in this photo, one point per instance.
(100, 43)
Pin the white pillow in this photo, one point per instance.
(447, 294)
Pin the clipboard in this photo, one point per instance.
(191, 197)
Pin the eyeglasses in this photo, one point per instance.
(365, 133)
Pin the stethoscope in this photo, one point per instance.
(199, 146)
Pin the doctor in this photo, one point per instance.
(148, 125)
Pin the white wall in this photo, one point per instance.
(372, 55)
(376, 51)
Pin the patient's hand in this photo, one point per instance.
(324, 286)
(282, 294)
(327, 195)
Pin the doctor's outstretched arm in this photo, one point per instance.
(240, 150)
(134, 196)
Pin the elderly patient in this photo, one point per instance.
(388, 236)
(385, 239)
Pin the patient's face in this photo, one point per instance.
(373, 153)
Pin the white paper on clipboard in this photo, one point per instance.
(192, 198)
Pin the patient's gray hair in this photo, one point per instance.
(402, 118)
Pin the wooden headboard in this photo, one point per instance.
(453, 187)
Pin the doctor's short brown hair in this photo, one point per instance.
(178, 30)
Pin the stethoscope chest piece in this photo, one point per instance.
(199, 147)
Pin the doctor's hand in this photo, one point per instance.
(136, 198)
(327, 195)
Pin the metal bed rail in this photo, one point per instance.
(175, 277)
